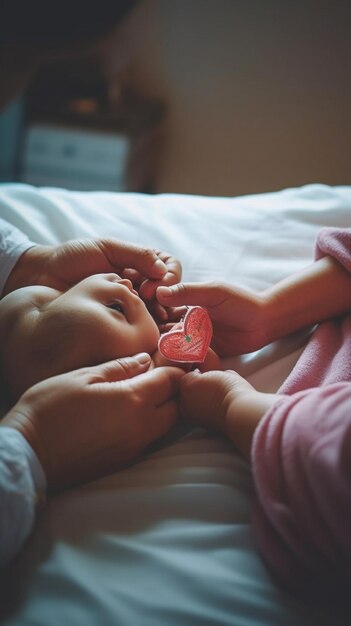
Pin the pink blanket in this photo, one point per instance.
(302, 457)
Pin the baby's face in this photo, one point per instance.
(109, 319)
(99, 319)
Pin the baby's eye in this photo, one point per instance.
(116, 307)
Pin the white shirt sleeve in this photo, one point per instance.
(21, 480)
(13, 243)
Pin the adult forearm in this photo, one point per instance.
(13, 244)
(320, 291)
(27, 269)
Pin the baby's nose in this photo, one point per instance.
(128, 283)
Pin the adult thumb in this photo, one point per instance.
(185, 293)
(121, 369)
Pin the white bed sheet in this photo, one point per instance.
(169, 540)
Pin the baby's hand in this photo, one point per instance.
(207, 397)
(224, 402)
(147, 288)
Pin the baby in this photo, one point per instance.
(44, 332)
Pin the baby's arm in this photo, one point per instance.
(300, 450)
(320, 291)
(244, 321)
(225, 402)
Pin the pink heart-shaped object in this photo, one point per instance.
(190, 343)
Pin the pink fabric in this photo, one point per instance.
(302, 457)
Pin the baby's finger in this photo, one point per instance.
(148, 287)
(133, 275)
(175, 314)
(165, 328)
(172, 276)
(159, 312)
(174, 317)
(174, 268)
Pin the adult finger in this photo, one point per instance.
(120, 369)
(193, 380)
(163, 419)
(192, 387)
(202, 294)
(158, 385)
(144, 260)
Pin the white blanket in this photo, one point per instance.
(169, 541)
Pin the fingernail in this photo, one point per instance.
(166, 292)
(160, 266)
(143, 358)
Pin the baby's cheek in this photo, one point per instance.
(86, 353)
(155, 336)
(147, 336)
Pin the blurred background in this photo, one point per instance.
(217, 97)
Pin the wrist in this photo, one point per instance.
(34, 465)
(244, 413)
(23, 420)
(318, 292)
(27, 270)
(275, 315)
(259, 322)
(284, 313)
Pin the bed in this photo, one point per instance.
(169, 540)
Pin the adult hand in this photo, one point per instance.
(238, 315)
(225, 402)
(64, 265)
(93, 420)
